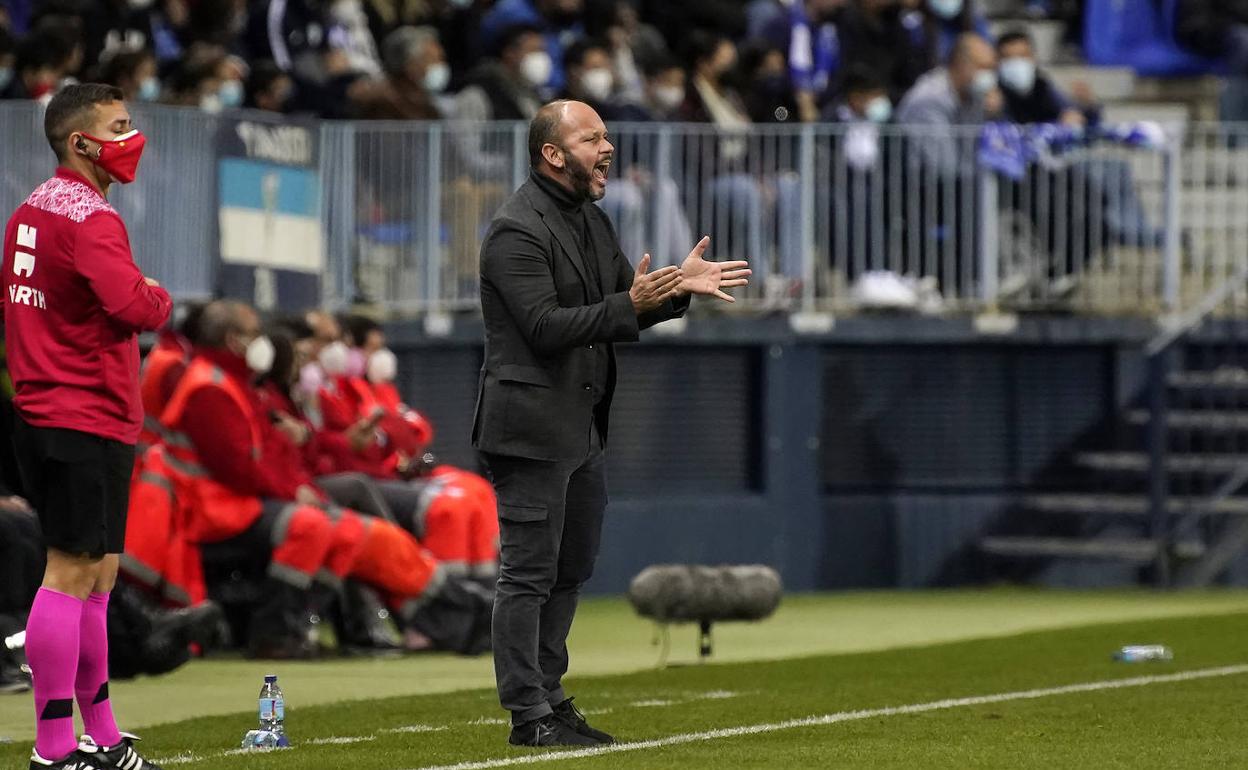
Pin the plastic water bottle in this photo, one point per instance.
(272, 732)
(1138, 653)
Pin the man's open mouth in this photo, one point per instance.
(600, 171)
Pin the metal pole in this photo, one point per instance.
(806, 170)
(1172, 268)
(989, 239)
(1158, 478)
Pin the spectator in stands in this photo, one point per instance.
(964, 93)
(713, 98)
(196, 82)
(810, 39)
(943, 22)
(292, 33)
(739, 195)
(864, 99)
(883, 36)
(504, 87)
(415, 73)
(44, 58)
(634, 45)
(590, 78)
(662, 97)
(769, 96)
(558, 21)
(134, 72)
(268, 88)
(1030, 97)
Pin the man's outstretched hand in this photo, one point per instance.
(711, 278)
(650, 290)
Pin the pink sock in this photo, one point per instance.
(91, 686)
(52, 632)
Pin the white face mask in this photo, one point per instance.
(333, 358)
(982, 85)
(945, 9)
(210, 103)
(669, 97)
(878, 110)
(383, 366)
(437, 77)
(260, 353)
(1018, 74)
(231, 94)
(536, 68)
(598, 83)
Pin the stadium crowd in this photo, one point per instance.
(726, 62)
(284, 500)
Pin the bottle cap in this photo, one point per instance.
(270, 678)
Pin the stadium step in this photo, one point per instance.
(1159, 112)
(1108, 84)
(1138, 462)
(1229, 379)
(1123, 505)
(1138, 550)
(1212, 421)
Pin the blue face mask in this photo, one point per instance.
(149, 89)
(231, 94)
(945, 9)
(6, 77)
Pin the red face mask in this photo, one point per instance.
(120, 157)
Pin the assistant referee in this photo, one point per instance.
(73, 303)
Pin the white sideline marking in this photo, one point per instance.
(415, 729)
(178, 759)
(848, 716)
(335, 740)
(655, 703)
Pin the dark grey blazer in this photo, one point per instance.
(541, 326)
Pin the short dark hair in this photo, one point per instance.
(859, 79)
(124, 64)
(72, 109)
(263, 75)
(657, 65)
(1018, 34)
(544, 130)
(575, 55)
(358, 327)
(512, 35)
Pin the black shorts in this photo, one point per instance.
(80, 485)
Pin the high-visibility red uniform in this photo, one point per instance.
(162, 368)
(214, 509)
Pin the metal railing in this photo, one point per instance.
(1101, 229)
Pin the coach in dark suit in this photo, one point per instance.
(557, 292)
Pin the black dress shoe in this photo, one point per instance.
(572, 717)
(548, 731)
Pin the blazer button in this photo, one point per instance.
(587, 387)
(591, 347)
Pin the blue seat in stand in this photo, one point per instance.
(1139, 34)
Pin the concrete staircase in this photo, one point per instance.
(1109, 518)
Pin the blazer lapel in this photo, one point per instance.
(554, 222)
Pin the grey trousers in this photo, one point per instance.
(550, 517)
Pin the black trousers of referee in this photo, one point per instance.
(550, 516)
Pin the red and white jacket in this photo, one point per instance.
(73, 302)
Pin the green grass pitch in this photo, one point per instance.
(889, 672)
